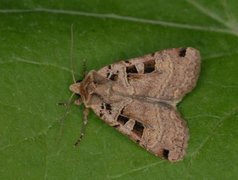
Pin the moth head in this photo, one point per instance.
(75, 88)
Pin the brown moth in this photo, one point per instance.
(138, 97)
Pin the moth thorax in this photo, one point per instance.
(75, 88)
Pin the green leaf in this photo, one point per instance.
(35, 74)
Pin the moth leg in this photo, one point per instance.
(85, 122)
(67, 106)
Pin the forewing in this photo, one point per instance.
(165, 75)
(165, 133)
(156, 127)
(138, 97)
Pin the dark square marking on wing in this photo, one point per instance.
(138, 128)
(149, 66)
(122, 119)
(114, 77)
(131, 69)
(182, 52)
(122, 111)
(165, 153)
(108, 106)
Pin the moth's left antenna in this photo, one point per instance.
(71, 51)
(70, 101)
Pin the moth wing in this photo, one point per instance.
(137, 97)
(156, 127)
(165, 75)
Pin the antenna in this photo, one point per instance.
(71, 51)
(70, 101)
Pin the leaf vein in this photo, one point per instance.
(17, 60)
(121, 17)
(32, 138)
(213, 132)
(213, 15)
(134, 170)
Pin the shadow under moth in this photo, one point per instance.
(138, 97)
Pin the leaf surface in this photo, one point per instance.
(36, 73)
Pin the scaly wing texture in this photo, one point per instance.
(156, 127)
(165, 75)
(138, 97)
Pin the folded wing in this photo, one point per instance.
(158, 128)
(165, 75)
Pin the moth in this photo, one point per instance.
(138, 97)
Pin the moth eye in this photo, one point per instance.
(122, 119)
(131, 69)
(78, 81)
(182, 52)
(149, 66)
(166, 153)
(78, 95)
(138, 128)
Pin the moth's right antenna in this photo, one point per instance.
(71, 51)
